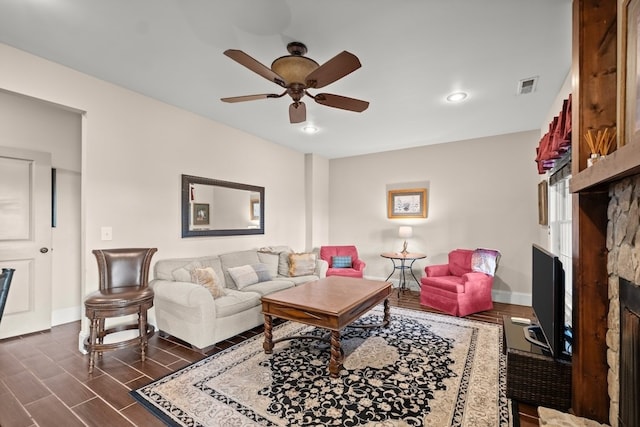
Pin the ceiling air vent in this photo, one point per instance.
(527, 85)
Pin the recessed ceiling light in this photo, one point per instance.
(456, 97)
(310, 129)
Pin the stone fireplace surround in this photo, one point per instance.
(623, 245)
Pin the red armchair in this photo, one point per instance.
(463, 286)
(347, 264)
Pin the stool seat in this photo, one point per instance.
(123, 290)
(118, 297)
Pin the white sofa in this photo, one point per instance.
(188, 311)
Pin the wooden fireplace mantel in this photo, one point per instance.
(623, 162)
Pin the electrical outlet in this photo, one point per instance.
(106, 233)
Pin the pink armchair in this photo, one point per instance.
(463, 286)
(347, 264)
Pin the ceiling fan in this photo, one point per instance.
(297, 73)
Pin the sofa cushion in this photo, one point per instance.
(208, 278)
(453, 284)
(301, 264)
(283, 263)
(299, 280)
(341, 261)
(460, 261)
(271, 260)
(183, 274)
(246, 275)
(269, 287)
(236, 302)
(237, 259)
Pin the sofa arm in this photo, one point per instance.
(182, 306)
(186, 294)
(359, 265)
(437, 270)
(321, 268)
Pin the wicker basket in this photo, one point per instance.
(538, 380)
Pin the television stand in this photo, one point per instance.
(533, 375)
(533, 334)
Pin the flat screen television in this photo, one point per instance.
(548, 303)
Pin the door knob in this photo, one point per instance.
(44, 250)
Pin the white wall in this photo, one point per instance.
(31, 124)
(481, 193)
(134, 150)
(317, 190)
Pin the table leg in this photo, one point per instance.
(387, 313)
(402, 279)
(336, 356)
(414, 276)
(268, 336)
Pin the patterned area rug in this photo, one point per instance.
(423, 370)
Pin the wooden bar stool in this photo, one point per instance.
(123, 291)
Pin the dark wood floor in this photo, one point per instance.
(44, 379)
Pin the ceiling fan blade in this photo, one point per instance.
(342, 102)
(250, 97)
(243, 59)
(336, 68)
(297, 112)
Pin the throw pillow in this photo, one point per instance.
(303, 264)
(246, 275)
(283, 263)
(485, 261)
(341, 262)
(271, 260)
(208, 278)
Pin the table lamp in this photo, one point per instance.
(405, 232)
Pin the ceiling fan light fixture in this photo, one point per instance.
(457, 97)
(293, 68)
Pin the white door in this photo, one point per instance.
(25, 239)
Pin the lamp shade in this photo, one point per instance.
(405, 231)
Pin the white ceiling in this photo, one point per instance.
(413, 54)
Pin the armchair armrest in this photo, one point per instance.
(359, 265)
(437, 270)
(477, 279)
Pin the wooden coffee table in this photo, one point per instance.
(332, 303)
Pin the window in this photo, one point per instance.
(560, 234)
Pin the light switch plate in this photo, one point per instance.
(106, 233)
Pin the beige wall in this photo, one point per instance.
(482, 193)
(134, 150)
(39, 126)
(317, 209)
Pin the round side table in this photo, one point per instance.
(402, 263)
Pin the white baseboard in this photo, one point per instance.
(517, 298)
(66, 315)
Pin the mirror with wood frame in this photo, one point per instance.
(211, 207)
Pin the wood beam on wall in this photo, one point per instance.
(594, 106)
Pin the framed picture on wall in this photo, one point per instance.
(200, 214)
(410, 203)
(543, 203)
